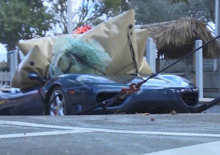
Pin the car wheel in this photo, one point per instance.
(58, 105)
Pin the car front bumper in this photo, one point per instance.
(162, 100)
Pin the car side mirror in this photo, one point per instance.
(35, 76)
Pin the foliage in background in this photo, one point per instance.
(91, 12)
(23, 19)
(26, 19)
(154, 11)
(201, 9)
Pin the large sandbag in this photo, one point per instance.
(45, 44)
(141, 39)
(144, 69)
(34, 61)
(112, 35)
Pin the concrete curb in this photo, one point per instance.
(206, 100)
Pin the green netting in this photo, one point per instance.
(78, 56)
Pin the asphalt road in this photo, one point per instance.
(215, 109)
(111, 134)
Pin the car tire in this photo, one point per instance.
(57, 103)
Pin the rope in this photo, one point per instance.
(134, 87)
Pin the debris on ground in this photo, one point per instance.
(152, 119)
(144, 114)
(173, 112)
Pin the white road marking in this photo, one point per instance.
(211, 148)
(80, 129)
(45, 133)
(36, 125)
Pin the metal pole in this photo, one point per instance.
(11, 67)
(215, 65)
(70, 16)
(187, 63)
(15, 59)
(150, 53)
(217, 30)
(154, 53)
(199, 68)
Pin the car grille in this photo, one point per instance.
(108, 95)
(190, 98)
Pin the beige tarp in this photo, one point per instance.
(34, 61)
(111, 34)
(45, 44)
(141, 39)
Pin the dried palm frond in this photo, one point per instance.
(174, 39)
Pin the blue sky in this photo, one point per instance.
(2, 53)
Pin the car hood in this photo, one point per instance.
(158, 81)
(163, 81)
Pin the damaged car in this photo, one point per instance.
(84, 73)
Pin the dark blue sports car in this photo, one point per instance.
(70, 94)
(112, 55)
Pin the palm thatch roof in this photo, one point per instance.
(174, 39)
